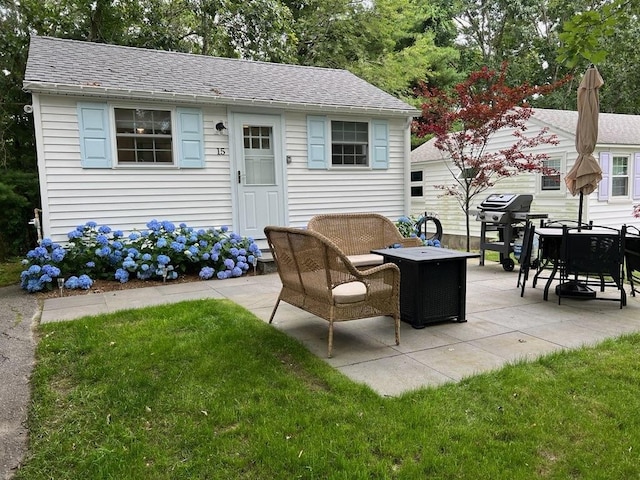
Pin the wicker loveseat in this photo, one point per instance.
(318, 278)
(356, 234)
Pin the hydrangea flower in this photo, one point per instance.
(206, 273)
(122, 275)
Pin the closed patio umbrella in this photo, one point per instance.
(583, 178)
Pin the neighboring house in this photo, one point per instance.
(125, 135)
(618, 150)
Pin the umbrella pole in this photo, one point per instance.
(580, 212)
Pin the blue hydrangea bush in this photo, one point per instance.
(162, 251)
(407, 227)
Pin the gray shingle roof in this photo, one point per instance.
(67, 66)
(613, 129)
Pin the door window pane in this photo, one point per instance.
(259, 157)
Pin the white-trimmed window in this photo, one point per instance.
(620, 176)
(349, 143)
(121, 136)
(143, 136)
(551, 182)
(338, 143)
(417, 189)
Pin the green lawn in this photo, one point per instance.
(205, 390)
(10, 272)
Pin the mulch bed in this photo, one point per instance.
(102, 286)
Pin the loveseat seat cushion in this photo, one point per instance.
(367, 259)
(350, 292)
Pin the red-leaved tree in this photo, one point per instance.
(464, 120)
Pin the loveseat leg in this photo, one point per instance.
(330, 339)
(396, 320)
(273, 314)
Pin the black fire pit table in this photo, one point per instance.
(433, 283)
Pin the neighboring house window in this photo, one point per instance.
(551, 182)
(416, 190)
(349, 143)
(620, 176)
(143, 136)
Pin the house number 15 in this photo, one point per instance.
(221, 151)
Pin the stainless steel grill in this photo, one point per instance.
(503, 213)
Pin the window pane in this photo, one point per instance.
(126, 156)
(163, 144)
(124, 120)
(619, 166)
(551, 182)
(416, 191)
(126, 143)
(163, 156)
(144, 143)
(619, 187)
(416, 176)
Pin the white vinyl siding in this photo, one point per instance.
(126, 199)
(312, 191)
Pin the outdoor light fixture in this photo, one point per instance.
(61, 285)
(220, 128)
(164, 273)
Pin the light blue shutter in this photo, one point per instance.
(190, 138)
(317, 149)
(95, 139)
(380, 144)
(603, 186)
(636, 176)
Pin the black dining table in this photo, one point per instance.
(550, 246)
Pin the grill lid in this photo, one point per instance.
(507, 202)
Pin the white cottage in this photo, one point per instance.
(125, 135)
(618, 150)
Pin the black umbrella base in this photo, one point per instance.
(575, 290)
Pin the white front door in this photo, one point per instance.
(259, 175)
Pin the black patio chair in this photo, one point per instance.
(592, 257)
(632, 256)
(549, 248)
(526, 260)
